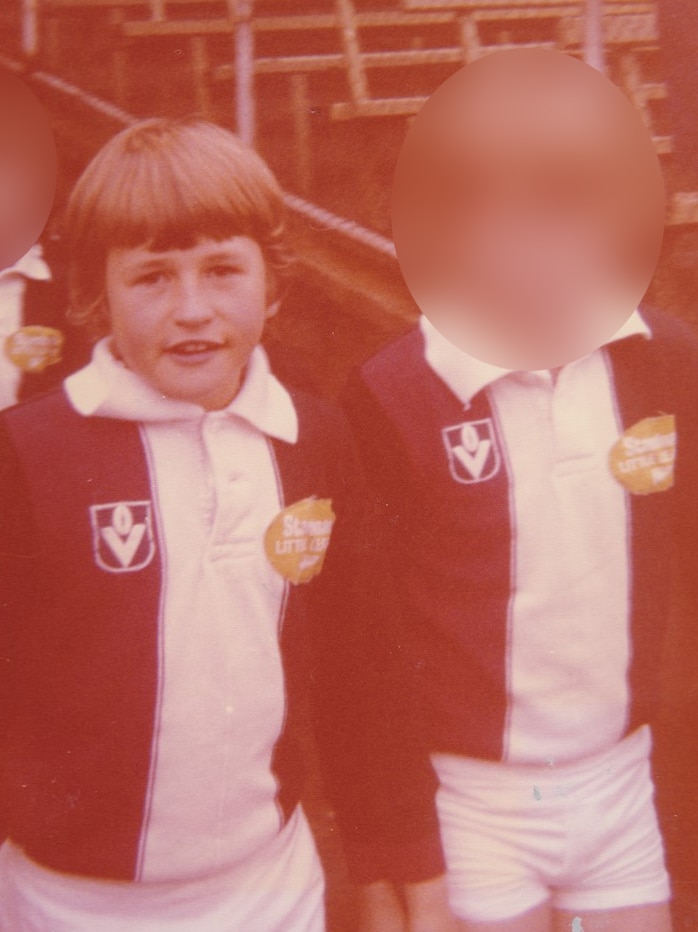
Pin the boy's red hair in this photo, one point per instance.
(167, 184)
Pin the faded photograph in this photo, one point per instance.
(348, 421)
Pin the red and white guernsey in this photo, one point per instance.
(534, 532)
(180, 590)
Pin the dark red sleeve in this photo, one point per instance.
(17, 551)
(676, 726)
(376, 763)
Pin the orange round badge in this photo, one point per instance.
(642, 459)
(33, 349)
(297, 539)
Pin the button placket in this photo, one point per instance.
(573, 426)
(232, 492)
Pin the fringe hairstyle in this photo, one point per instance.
(168, 184)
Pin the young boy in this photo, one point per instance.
(535, 538)
(181, 541)
(536, 696)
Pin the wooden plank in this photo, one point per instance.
(683, 209)
(412, 57)
(533, 8)
(505, 15)
(200, 76)
(390, 106)
(358, 83)
(636, 29)
(471, 6)
(244, 56)
(157, 6)
(303, 64)
(376, 19)
(506, 46)
(275, 23)
(299, 23)
(300, 110)
(30, 27)
(50, 5)
(559, 10)
(469, 39)
(617, 29)
(137, 29)
(290, 64)
(593, 35)
(119, 63)
(408, 106)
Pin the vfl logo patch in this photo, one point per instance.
(473, 454)
(122, 536)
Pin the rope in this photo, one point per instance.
(90, 100)
(319, 217)
(326, 220)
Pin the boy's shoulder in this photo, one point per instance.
(397, 376)
(397, 389)
(47, 430)
(322, 463)
(46, 411)
(670, 331)
(671, 337)
(325, 444)
(319, 419)
(397, 357)
(669, 357)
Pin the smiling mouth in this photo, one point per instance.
(194, 348)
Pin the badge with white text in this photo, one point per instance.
(33, 349)
(297, 539)
(473, 454)
(642, 459)
(122, 536)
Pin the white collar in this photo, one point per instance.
(31, 265)
(466, 376)
(106, 388)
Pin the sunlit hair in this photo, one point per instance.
(168, 184)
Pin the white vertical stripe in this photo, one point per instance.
(569, 644)
(162, 556)
(214, 795)
(282, 609)
(629, 563)
(511, 493)
(12, 290)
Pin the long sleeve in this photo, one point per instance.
(376, 764)
(17, 551)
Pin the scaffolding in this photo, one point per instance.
(368, 48)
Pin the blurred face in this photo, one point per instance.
(528, 209)
(27, 169)
(187, 320)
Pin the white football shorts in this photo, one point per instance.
(282, 891)
(583, 836)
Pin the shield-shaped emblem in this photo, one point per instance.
(122, 536)
(473, 454)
